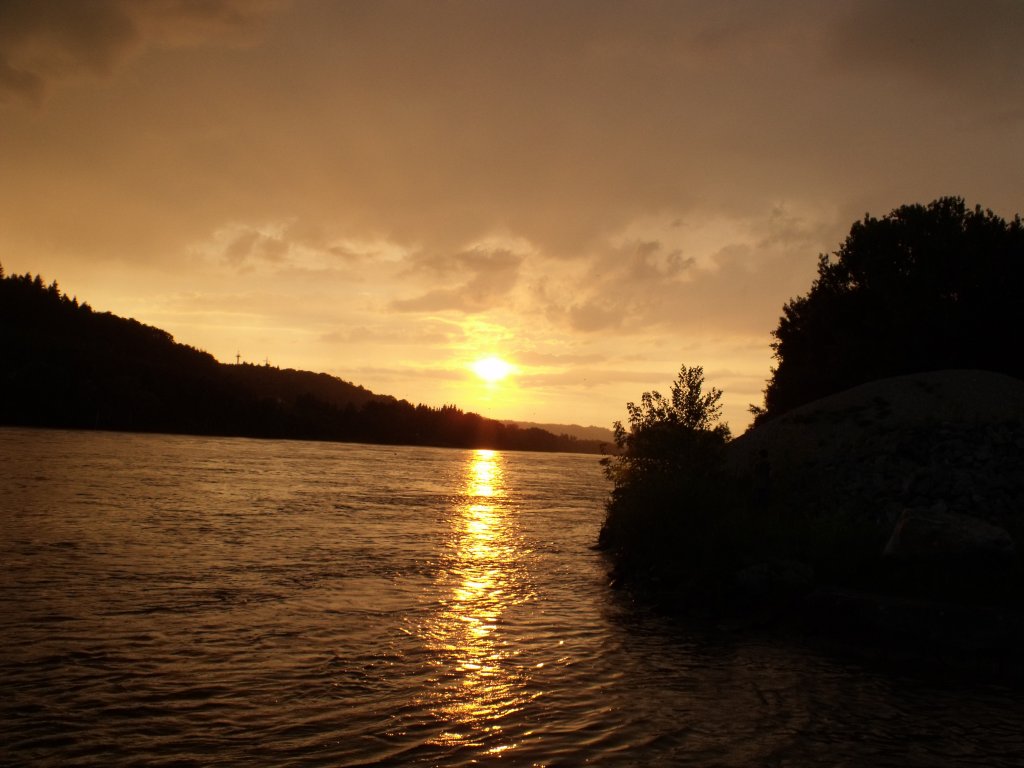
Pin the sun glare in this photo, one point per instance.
(492, 369)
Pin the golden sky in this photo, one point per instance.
(595, 192)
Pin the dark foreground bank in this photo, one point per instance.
(885, 520)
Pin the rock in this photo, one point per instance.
(775, 577)
(949, 436)
(936, 533)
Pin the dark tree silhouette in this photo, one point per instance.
(923, 288)
(671, 517)
(63, 365)
(679, 434)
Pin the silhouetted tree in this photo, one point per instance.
(668, 501)
(679, 434)
(923, 288)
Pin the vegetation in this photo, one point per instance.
(681, 435)
(926, 287)
(64, 365)
(703, 519)
(671, 511)
(680, 520)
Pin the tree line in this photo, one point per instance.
(64, 365)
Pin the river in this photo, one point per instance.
(185, 601)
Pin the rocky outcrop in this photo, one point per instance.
(938, 534)
(949, 441)
(774, 578)
(845, 418)
(890, 514)
(924, 476)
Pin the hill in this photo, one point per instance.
(600, 434)
(65, 365)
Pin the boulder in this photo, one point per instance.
(779, 576)
(909, 442)
(937, 533)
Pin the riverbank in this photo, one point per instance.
(885, 517)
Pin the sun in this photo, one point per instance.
(492, 369)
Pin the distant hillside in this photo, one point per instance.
(263, 381)
(64, 365)
(601, 434)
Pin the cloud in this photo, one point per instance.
(401, 335)
(484, 279)
(238, 250)
(19, 84)
(593, 377)
(651, 261)
(433, 128)
(533, 357)
(594, 315)
(960, 47)
(616, 186)
(705, 271)
(43, 42)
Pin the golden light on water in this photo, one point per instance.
(478, 679)
(484, 471)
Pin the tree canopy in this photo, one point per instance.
(679, 434)
(926, 287)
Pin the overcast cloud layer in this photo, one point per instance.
(386, 191)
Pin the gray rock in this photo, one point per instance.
(938, 533)
(775, 577)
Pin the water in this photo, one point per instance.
(195, 601)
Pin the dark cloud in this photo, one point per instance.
(971, 48)
(47, 41)
(19, 84)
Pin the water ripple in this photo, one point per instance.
(184, 601)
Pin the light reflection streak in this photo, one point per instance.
(479, 681)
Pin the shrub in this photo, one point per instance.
(669, 503)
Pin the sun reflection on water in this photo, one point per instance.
(479, 681)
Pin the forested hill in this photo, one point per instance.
(64, 365)
(599, 434)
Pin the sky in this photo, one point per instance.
(594, 192)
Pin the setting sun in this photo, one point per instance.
(492, 369)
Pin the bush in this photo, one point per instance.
(684, 525)
(669, 506)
